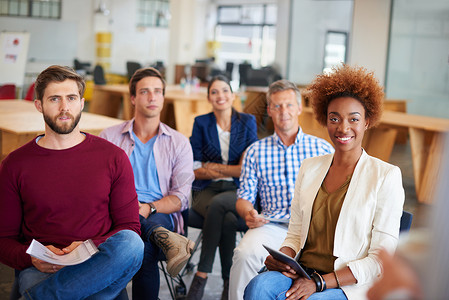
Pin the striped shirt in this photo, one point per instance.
(270, 169)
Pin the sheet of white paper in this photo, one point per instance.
(81, 253)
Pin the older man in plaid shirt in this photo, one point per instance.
(269, 170)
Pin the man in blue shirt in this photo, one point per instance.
(269, 170)
(162, 163)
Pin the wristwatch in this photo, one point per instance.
(153, 209)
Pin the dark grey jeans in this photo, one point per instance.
(216, 203)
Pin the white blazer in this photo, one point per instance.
(369, 218)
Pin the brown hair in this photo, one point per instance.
(346, 81)
(142, 73)
(58, 74)
(283, 85)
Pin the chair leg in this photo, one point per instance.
(176, 286)
(190, 266)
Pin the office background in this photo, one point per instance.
(405, 42)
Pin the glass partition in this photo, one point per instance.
(418, 68)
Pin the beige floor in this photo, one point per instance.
(401, 157)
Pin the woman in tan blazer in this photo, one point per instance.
(347, 205)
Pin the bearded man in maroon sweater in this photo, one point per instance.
(65, 187)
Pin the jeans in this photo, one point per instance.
(220, 225)
(146, 281)
(274, 285)
(103, 276)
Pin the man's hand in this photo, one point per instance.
(46, 267)
(253, 219)
(144, 210)
(71, 247)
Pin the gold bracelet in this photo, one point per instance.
(336, 278)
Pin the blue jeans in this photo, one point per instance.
(101, 277)
(274, 285)
(146, 281)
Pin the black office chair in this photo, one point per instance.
(84, 66)
(243, 70)
(132, 67)
(99, 75)
(229, 69)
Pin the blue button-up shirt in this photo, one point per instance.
(270, 169)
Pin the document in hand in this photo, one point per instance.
(288, 260)
(81, 253)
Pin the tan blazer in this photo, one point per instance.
(369, 218)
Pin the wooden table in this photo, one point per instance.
(427, 135)
(180, 108)
(20, 122)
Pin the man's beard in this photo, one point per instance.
(66, 128)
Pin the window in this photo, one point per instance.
(256, 14)
(153, 13)
(246, 33)
(334, 49)
(48, 9)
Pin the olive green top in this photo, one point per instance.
(318, 250)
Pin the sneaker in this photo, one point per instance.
(196, 290)
(225, 293)
(177, 249)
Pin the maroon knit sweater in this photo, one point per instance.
(61, 196)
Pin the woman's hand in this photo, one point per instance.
(301, 288)
(275, 265)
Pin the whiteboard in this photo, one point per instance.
(13, 57)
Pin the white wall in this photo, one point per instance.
(131, 43)
(369, 42)
(60, 41)
(56, 41)
(187, 33)
(311, 20)
(282, 36)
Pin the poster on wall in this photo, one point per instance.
(13, 56)
(12, 46)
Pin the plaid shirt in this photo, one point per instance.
(270, 169)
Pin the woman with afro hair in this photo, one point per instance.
(347, 205)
